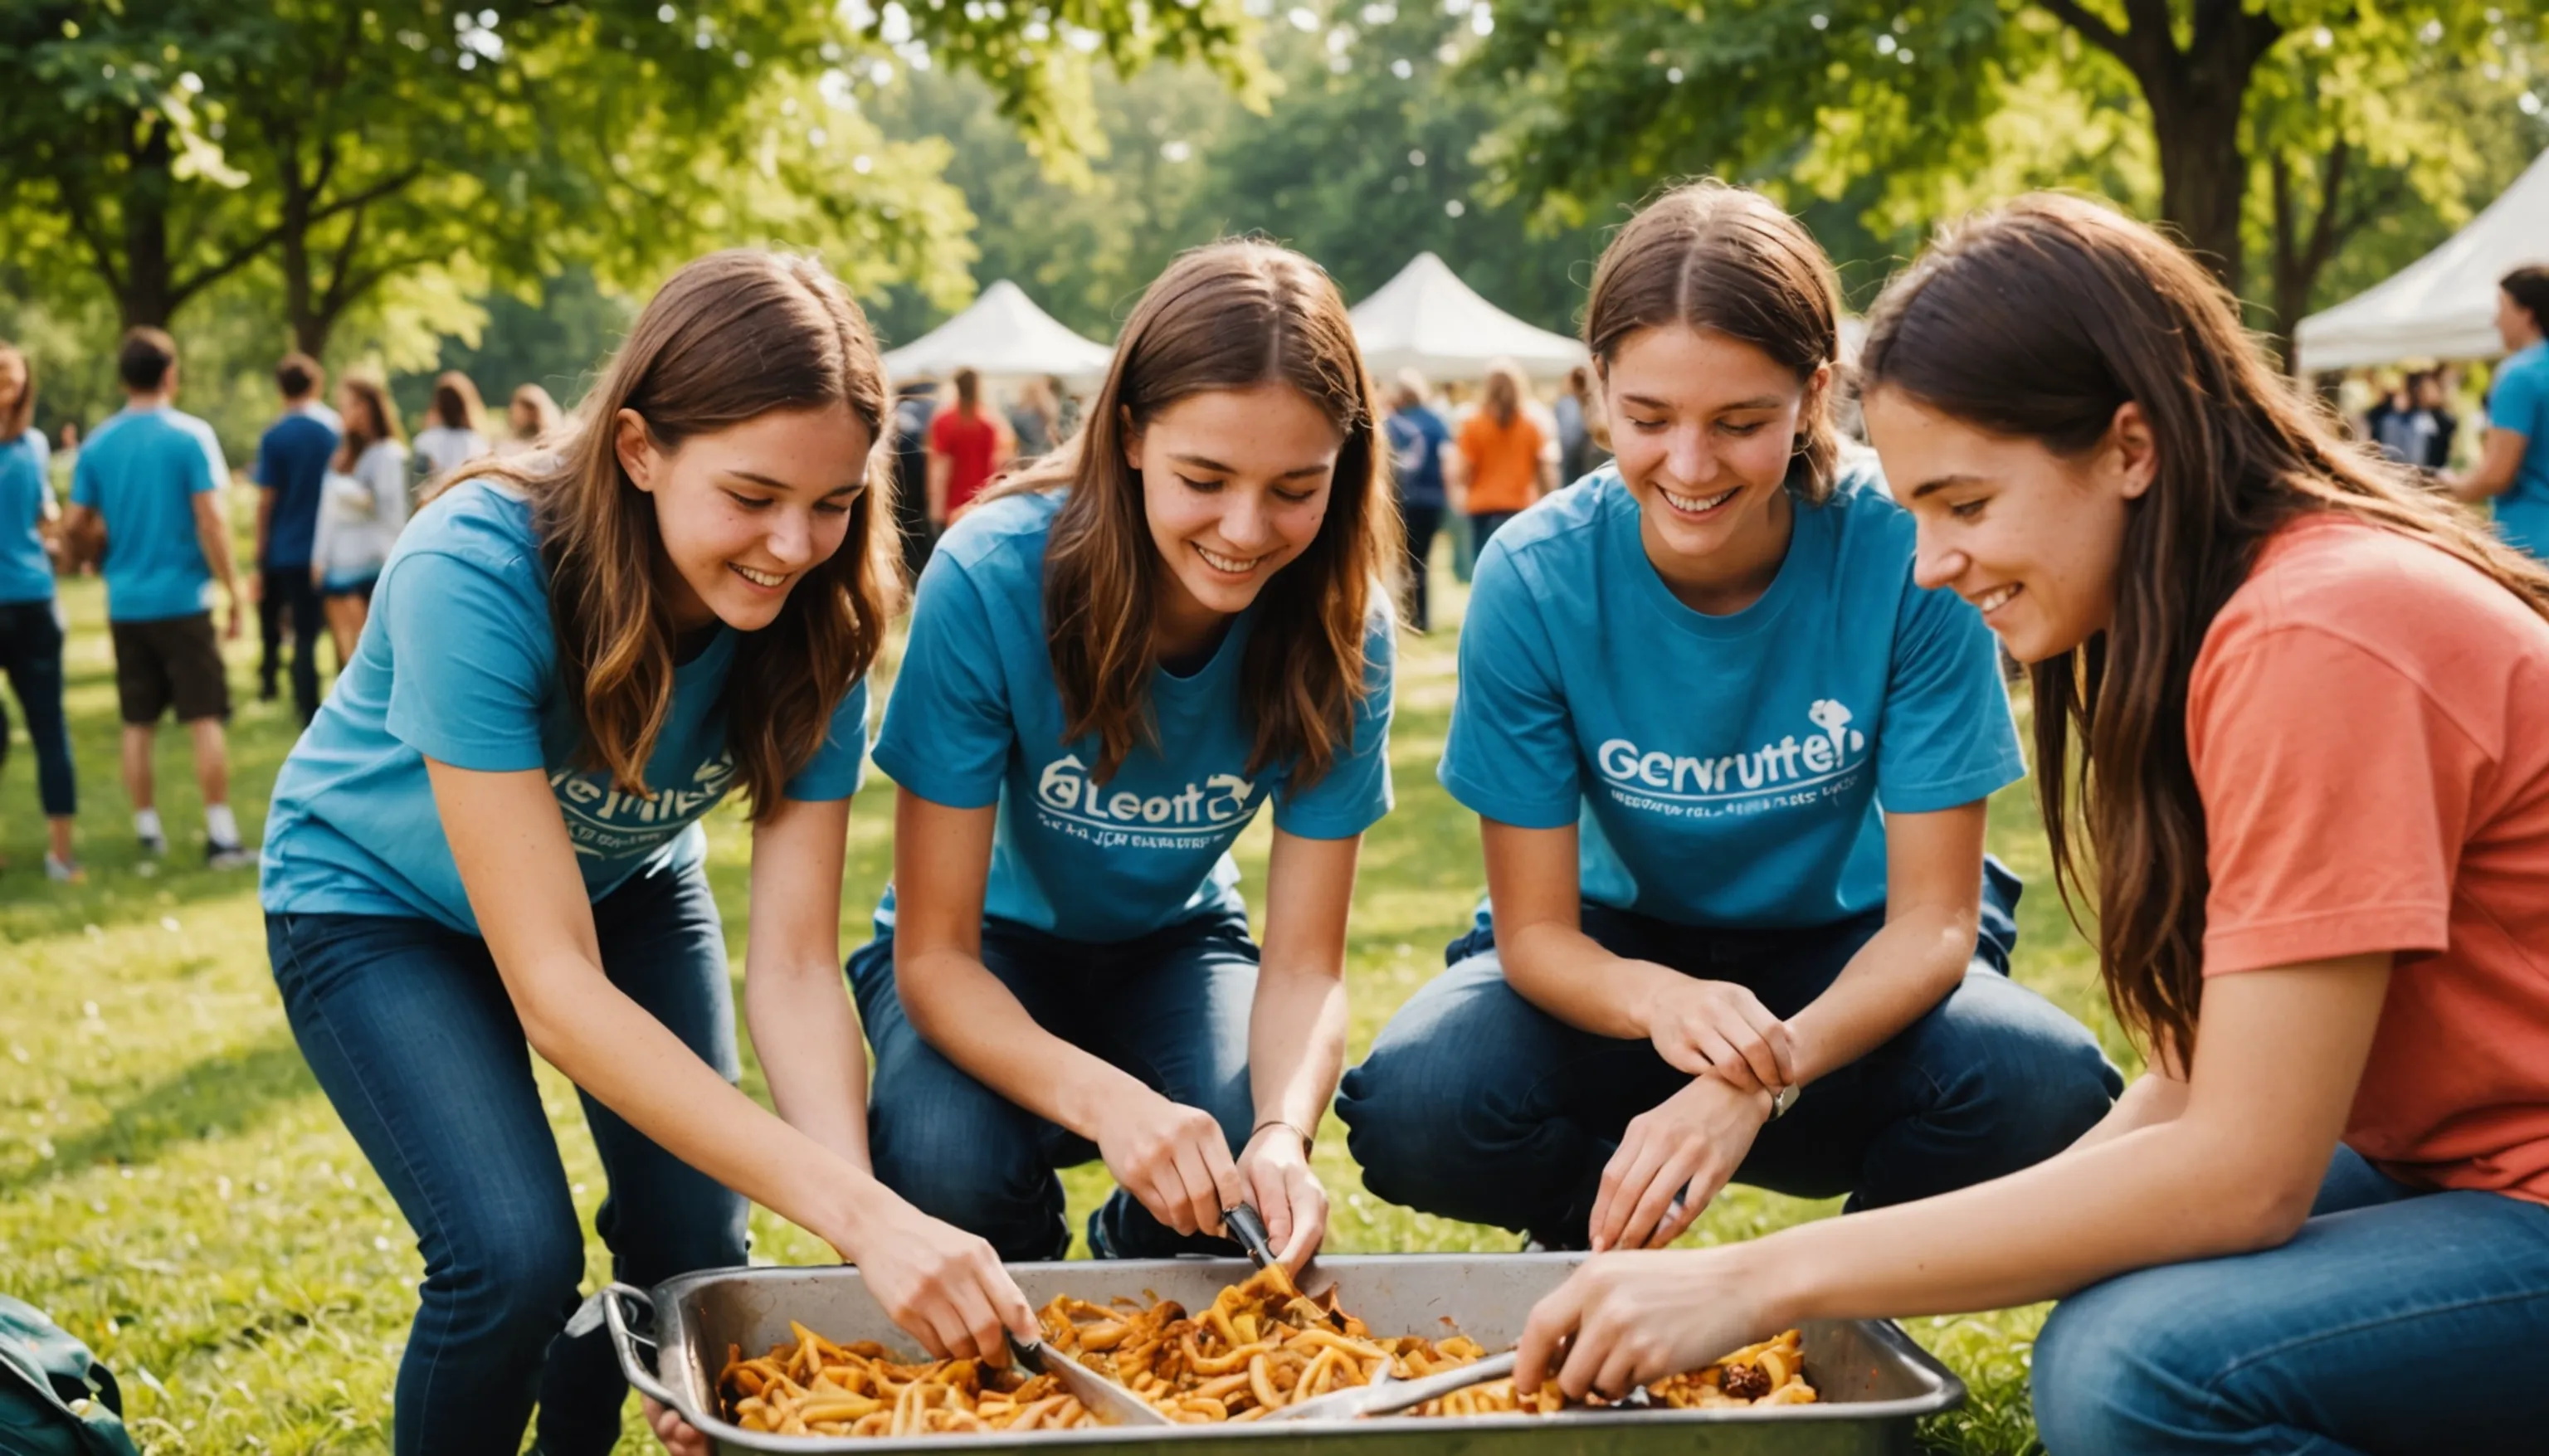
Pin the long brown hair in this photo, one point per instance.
(383, 424)
(456, 404)
(730, 337)
(19, 414)
(1231, 315)
(1710, 255)
(2040, 321)
(1502, 396)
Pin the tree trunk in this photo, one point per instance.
(2204, 175)
(150, 286)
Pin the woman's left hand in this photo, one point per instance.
(1626, 1319)
(1275, 1168)
(678, 1436)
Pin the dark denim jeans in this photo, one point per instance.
(287, 596)
(413, 1039)
(1478, 1105)
(1171, 1008)
(2314, 1347)
(30, 654)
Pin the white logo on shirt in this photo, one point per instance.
(605, 823)
(1068, 800)
(1791, 771)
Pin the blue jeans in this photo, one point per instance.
(1171, 1008)
(30, 654)
(2394, 1320)
(413, 1039)
(1478, 1105)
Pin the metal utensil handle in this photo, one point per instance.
(1249, 1227)
(1434, 1387)
(624, 1343)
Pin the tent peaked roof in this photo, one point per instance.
(1002, 334)
(1426, 319)
(2444, 305)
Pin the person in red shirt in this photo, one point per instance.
(2292, 722)
(969, 448)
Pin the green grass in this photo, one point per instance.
(176, 1191)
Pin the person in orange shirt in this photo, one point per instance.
(1500, 467)
(2292, 720)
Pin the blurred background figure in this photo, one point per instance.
(915, 404)
(2432, 395)
(969, 447)
(1418, 439)
(1503, 463)
(1580, 428)
(529, 416)
(291, 475)
(1035, 420)
(31, 620)
(455, 431)
(365, 507)
(2513, 470)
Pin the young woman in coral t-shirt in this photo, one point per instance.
(2296, 712)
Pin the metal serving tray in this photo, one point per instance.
(1874, 1382)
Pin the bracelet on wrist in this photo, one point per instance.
(1296, 1129)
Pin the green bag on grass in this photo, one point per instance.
(56, 1398)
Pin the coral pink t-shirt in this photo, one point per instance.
(2369, 726)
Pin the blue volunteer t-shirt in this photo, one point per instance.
(1416, 440)
(292, 461)
(2519, 404)
(1724, 770)
(975, 720)
(459, 663)
(141, 473)
(25, 572)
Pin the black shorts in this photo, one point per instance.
(172, 662)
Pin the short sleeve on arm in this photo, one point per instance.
(947, 722)
(264, 472)
(84, 480)
(1511, 755)
(2328, 832)
(841, 764)
(216, 471)
(1947, 737)
(1355, 791)
(469, 652)
(2520, 401)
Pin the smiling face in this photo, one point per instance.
(1704, 426)
(2030, 537)
(746, 512)
(1235, 484)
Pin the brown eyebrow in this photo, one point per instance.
(1216, 467)
(1766, 402)
(1943, 483)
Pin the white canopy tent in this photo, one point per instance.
(1002, 336)
(1427, 320)
(2444, 305)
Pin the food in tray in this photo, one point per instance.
(1258, 1348)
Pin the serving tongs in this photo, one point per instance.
(1385, 1395)
(1109, 1402)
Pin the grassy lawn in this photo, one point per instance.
(176, 1191)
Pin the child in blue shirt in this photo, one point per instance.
(31, 621)
(1115, 662)
(1732, 765)
(490, 837)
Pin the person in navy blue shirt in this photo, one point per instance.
(290, 472)
(1731, 765)
(1116, 662)
(1417, 439)
(30, 620)
(489, 842)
